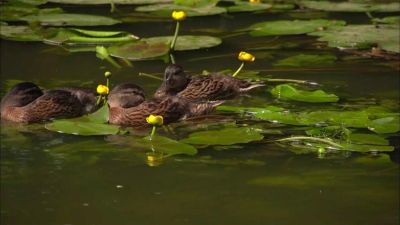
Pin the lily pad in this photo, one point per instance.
(16, 12)
(69, 19)
(100, 2)
(228, 136)
(351, 6)
(19, 33)
(248, 7)
(383, 125)
(165, 10)
(291, 27)
(388, 20)
(139, 50)
(196, 3)
(362, 37)
(187, 42)
(286, 91)
(93, 124)
(304, 60)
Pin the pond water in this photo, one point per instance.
(53, 178)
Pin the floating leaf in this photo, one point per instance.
(227, 136)
(16, 12)
(248, 7)
(290, 27)
(196, 3)
(384, 125)
(372, 139)
(286, 91)
(187, 42)
(100, 2)
(362, 37)
(19, 33)
(388, 20)
(303, 60)
(93, 124)
(166, 10)
(139, 50)
(69, 19)
(351, 6)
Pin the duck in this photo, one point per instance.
(128, 107)
(27, 103)
(212, 87)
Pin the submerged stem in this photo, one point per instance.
(238, 70)
(172, 47)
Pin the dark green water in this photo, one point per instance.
(51, 178)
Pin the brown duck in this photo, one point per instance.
(27, 103)
(212, 87)
(128, 107)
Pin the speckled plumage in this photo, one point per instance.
(171, 108)
(211, 87)
(27, 103)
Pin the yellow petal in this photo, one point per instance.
(102, 89)
(179, 15)
(246, 57)
(155, 120)
(255, 1)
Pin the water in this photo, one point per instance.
(51, 178)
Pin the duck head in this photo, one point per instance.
(175, 80)
(126, 96)
(21, 95)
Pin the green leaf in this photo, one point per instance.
(303, 60)
(196, 3)
(187, 42)
(88, 37)
(100, 2)
(372, 139)
(384, 125)
(388, 20)
(362, 37)
(69, 19)
(291, 27)
(92, 124)
(139, 50)
(351, 6)
(248, 7)
(227, 136)
(166, 10)
(286, 91)
(19, 33)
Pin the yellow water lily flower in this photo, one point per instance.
(102, 89)
(246, 57)
(179, 15)
(155, 120)
(255, 1)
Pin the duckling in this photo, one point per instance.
(128, 107)
(212, 87)
(27, 103)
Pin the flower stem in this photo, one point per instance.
(238, 70)
(150, 76)
(293, 81)
(171, 56)
(99, 100)
(153, 132)
(175, 36)
(325, 141)
(108, 83)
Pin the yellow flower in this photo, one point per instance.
(246, 57)
(255, 1)
(179, 15)
(107, 74)
(102, 89)
(155, 120)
